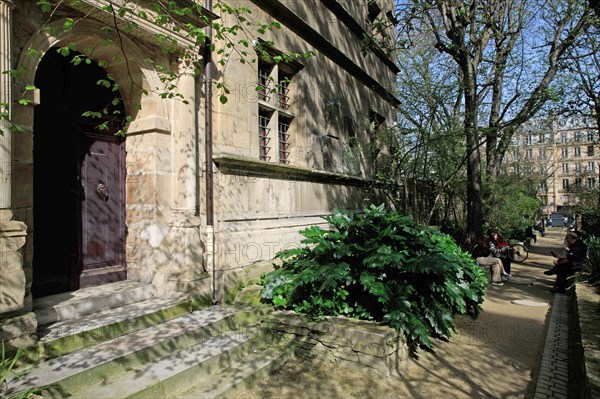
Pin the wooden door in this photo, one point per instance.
(102, 210)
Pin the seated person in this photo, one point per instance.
(500, 249)
(482, 254)
(563, 266)
(531, 235)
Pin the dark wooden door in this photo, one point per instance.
(78, 230)
(102, 210)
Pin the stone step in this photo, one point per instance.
(165, 376)
(241, 376)
(105, 361)
(67, 336)
(225, 364)
(72, 305)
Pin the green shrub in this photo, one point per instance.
(590, 272)
(378, 265)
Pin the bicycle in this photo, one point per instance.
(518, 252)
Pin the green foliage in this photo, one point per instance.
(7, 372)
(512, 204)
(379, 265)
(590, 272)
(589, 209)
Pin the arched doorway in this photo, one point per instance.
(79, 179)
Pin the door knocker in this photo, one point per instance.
(101, 191)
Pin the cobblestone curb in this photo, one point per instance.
(553, 377)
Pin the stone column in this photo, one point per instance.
(12, 276)
(186, 152)
(187, 271)
(6, 7)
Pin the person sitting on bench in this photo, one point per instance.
(575, 253)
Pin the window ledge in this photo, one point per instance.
(242, 166)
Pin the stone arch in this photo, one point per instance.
(137, 78)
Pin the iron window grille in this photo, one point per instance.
(284, 142)
(263, 138)
(284, 98)
(264, 85)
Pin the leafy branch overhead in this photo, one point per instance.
(181, 33)
(379, 265)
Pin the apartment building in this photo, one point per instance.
(564, 153)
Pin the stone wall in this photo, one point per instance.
(349, 343)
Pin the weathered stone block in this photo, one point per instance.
(19, 331)
(12, 282)
(348, 343)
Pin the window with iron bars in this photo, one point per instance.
(264, 83)
(263, 136)
(284, 141)
(283, 92)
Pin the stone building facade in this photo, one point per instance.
(563, 152)
(198, 190)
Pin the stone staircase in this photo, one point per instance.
(121, 342)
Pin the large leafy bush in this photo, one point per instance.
(378, 265)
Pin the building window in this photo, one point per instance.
(284, 140)
(264, 82)
(543, 187)
(529, 153)
(274, 105)
(578, 182)
(283, 91)
(529, 139)
(577, 167)
(591, 136)
(563, 138)
(374, 11)
(542, 153)
(375, 121)
(564, 152)
(591, 167)
(542, 138)
(590, 151)
(543, 170)
(577, 151)
(577, 136)
(591, 182)
(565, 168)
(565, 184)
(263, 135)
